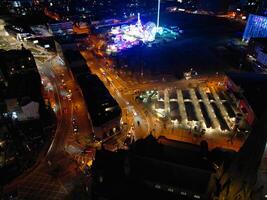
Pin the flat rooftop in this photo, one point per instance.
(102, 107)
(155, 168)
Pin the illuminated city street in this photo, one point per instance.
(134, 99)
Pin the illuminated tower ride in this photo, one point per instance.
(158, 15)
(139, 23)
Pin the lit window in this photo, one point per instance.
(100, 179)
(183, 193)
(157, 186)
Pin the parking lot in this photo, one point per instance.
(202, 110)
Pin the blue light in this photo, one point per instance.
(256, 27)
(127, 36)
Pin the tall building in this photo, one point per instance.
(19, 75)
(249, 6)
(258, 48)
(256, 27)
(103, 109)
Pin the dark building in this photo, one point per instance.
(258, 49)
(76, 63)
(240, 179)
(156, 169)
(71, 43)
(103, 109)
(8, 151)
(249, 6)
(20, 143)
(215, 6)
(61, 28)
(20, 85)
(19, 7)
(18, 30)
(252, 86)
(262, 8)
(19, 75)
(22, 8)
(254, 6)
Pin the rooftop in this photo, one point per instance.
(156, 168)
(101, 105)
(73, 56)
(70, 38)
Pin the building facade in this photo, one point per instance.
(256, 27)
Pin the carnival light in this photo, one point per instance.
(126, 36)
